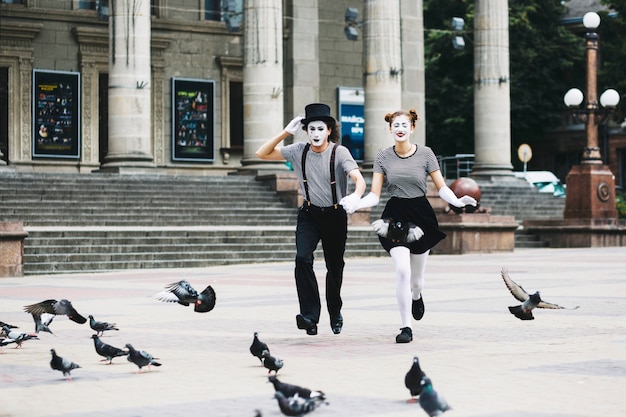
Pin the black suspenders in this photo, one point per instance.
(333, 182)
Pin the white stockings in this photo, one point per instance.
(409, 279)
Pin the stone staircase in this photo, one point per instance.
(100, 222)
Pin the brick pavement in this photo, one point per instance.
(483, 360)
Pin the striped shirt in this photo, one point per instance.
(318, 171)
(406, 177)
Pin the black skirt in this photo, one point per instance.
(413, 210)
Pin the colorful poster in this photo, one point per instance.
(193, 120)
(56, 114)
(351, 117)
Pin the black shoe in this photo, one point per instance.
(417, 308)
(306, 324)
(336, 323)
(405, 336)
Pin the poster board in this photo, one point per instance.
(351, 102)
(56, 114)
(193, 120)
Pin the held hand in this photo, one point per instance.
(381, 227)
(415, 234)
(294, 125)
(468, 200)
(350, 203)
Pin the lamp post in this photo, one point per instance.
(591, 185)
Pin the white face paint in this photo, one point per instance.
(401, 128)
(318, 132)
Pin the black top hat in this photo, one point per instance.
(318, 111)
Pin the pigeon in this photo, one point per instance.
(100, 326)
(433, 403)
(183, 293)
(529, 302)
(64, 365)
(206, 301)
(107, 351)
(258, 348)
(17, 336)
(180, 292)
(290, 390)
(42, 321)
(272, 363)
(10, 326)
(140, 358)
(61, 307)
(413, 379)
(296, 406)
(397, 231)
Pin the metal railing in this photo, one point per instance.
(459, 165)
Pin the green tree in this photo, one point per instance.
(612, 32)
(545, 60)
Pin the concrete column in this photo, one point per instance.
(382, 65)
(262, 78)
(492, 107)
(413, 75)
(130, 139)
(303, 62)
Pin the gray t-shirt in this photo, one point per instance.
(318, 171)
(406, 177)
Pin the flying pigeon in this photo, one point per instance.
(296, 406)
(61, 307)
(10, 326)
(397, 231)
(183, 293)
(290, 390)
(64, 365)
(100, 326)
(17, 336)
(258, 348)
(433, 403)
(107, 351)
(413, 379)
(529, 302)
(42, 321)
(206, 300)
(272, 363)
(140, 358)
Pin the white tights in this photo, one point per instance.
(409, 279)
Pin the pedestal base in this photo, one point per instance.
(579, 233)
(12, 237)
(590, 193)
(476, 233)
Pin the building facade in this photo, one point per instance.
(54, 79)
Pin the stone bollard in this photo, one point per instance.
(12, 235)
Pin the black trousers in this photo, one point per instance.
(330, 226)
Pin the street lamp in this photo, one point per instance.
(591, 185)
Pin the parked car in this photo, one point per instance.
(545, 181)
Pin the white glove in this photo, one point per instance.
(381, 227)
(350, 203)
(415, 234)
(370, 200)
(449, 197)
(294, 125)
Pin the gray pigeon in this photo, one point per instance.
(413, 379)
(258, 348)
(17, 336)
(180, 292)
(107, 351)
(61, 307)
(290, 390)
(140, 358)
(64, 365)
(100, 326)
(433, 403)
(296, 406)
(529, 301)
(272, 363)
